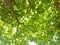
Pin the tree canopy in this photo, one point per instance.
(39, 22)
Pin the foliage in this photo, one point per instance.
(41, 23)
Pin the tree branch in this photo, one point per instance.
(56, 3)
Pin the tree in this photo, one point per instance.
(39, 22)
